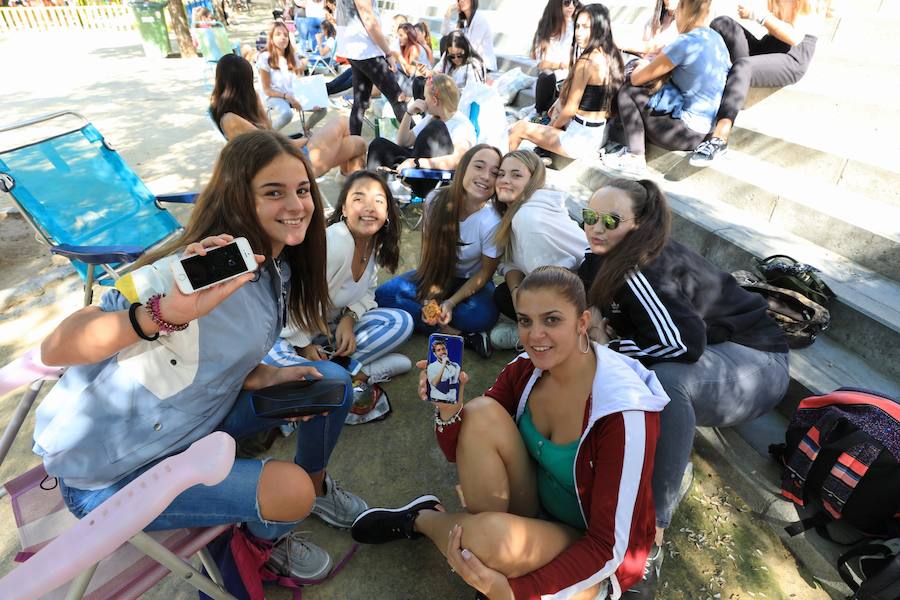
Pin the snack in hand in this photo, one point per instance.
(431, 312)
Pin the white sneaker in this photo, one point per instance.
(338, 507)
(384, 368)
(399, 191)
(505, 336)
(634, 165)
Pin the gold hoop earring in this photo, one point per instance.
(587, 343)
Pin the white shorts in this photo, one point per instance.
(583, 138)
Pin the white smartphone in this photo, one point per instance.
(194, 273)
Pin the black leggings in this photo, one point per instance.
(433, 140)
(660, 128)
(546, 91)
(765, 62)
(368, 72)
(341, 83)
(503, 300)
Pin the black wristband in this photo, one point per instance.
(132, 316)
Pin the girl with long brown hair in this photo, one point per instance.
(459, 256)
(278, 64)
(659, 31)
(779, 58)
(535, 230)
(152, 370)
(552, 46)
(474, 25)
(578, 118)
(721, 359)
(235, 108)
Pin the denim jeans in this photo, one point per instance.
(234, 500)
(476, 313)
(729, 385)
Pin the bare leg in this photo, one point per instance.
(286, 492)
(507, 543)
(495, 471)
(332, 145)
(723, 129)
(543, 135)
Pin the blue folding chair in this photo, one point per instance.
(82, 198)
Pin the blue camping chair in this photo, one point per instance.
(82, 198)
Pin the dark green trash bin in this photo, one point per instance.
(151, 22)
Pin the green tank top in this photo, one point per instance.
(556, 476)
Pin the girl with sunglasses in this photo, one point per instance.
(460, 61)
(721, 359)
(552, 46)
(578, 118)
(474, 26)
(535, 230)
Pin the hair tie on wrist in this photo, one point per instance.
(132, 316)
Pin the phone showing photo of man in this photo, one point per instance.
(444, 367)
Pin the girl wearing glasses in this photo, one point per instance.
(461, 62)
(552, 46)
(720, 357)
(578, 118)
(535, 230)
(474, 26)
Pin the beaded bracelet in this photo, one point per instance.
(440, 423)
(164, 326)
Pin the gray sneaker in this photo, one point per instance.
(293, 556)
(338, 507)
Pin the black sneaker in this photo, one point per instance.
(380, 525)
(480, 342)
(645, 589)
(708, 151)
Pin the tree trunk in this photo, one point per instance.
(182, 31)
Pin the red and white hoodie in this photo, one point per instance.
(613, 474)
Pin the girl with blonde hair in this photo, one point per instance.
(438, 141)
(535, 230)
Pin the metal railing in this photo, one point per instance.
(49, 18)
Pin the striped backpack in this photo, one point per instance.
(841, 459)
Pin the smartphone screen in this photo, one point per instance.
(444, 366)
(218, 264)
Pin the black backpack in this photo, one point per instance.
(872, 570)
(842, 460)
(782, 271)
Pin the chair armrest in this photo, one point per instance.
(99, 255)
(432, 174)
(188, 198)
(115, 521)
(24, 370)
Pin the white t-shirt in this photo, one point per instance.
(353, 41)
(281, 79)
(315, 9)
(476, 238)
(460, 127)
(559, 50)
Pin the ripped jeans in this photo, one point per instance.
(234, 500)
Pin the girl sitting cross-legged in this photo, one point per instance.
(554, 462)
(459, 256)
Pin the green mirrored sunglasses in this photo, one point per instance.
(610, 220)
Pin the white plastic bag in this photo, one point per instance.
(490, 125)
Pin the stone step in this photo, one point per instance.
(795, 197)
(866, 314)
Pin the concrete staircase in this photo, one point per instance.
(812, 171)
